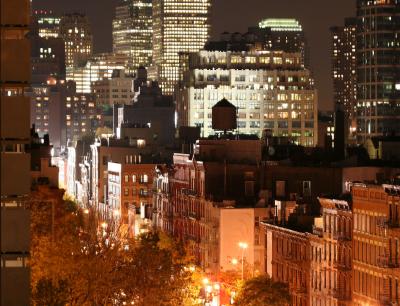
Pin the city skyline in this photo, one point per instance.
(200, 152)
(242, 14)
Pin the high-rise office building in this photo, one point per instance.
(77, 35)
(344, 66)
(178, 26)
(133, 32)
(47, 47)
(378, 66)
(98, 67)
(15, 162)
(47, 58)
(270, 89)
(284, 34)
(46, 24)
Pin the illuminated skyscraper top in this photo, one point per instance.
(281, 24)
(178, 26)
(132, 31)
(46, 24)
(75, 30)
(284, 34)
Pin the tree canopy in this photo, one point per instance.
(261, 290)
(76, 260)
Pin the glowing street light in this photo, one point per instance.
(234, 261)
(243, 246)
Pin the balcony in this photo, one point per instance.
(15, 281)
(393, 224)
(289, 256)
(15, 117)
(342, 236)
(15, 228)
(341, 295)
(341, 265)
(15, 60)
(317, 231)
(15, 175)
(386, 262)
(188, 192)
(300, 290)
(15, 12)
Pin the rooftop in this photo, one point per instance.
(281, 24)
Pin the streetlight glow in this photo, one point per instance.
(243, 245)
(234, 261)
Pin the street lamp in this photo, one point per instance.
(206, 282)
(243, 246)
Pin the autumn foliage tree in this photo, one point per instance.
(77, 260)
(263, 291)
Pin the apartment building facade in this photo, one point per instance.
(270, 89)
(15, 159)
(130, 195)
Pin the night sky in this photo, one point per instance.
(316, 16)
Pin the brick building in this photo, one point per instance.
(376, 245)
(199, 198)
(130, 194)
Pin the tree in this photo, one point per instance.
(78, 260)
(261, 290)
(48, 293)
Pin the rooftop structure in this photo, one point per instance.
(281, 24)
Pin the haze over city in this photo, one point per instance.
(200, 152)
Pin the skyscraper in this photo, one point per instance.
(47, 47)
(378, 68)
(132, 31)
(75, 30)
(178, 26)
(285, 34)
(46, 24)
(344, 66)
(271, 90)
(15, 162)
